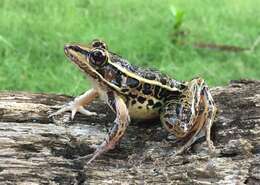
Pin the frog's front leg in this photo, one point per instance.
(77, 105)
(121, 122)
(187, 117)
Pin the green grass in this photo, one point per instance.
(32, 35)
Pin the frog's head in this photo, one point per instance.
(90, 59)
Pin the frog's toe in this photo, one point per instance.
(84, 111)
(100, 150)
(73, 112)
(74, 108)
(60, 111)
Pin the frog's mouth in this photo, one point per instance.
(79, 55)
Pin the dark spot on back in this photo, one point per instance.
(147, 89)
(164, 93)
(163, 80)
(173, 95)
(150, 102)
(132, 95)
(182, 86)
(131, 82)
(139, 87)
(141, 99)
(124, 90)
(150, 76)
(133, 102)
(156, 91)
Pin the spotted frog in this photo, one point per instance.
(186, 109)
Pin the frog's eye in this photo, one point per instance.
(98, 57)
(98, 44)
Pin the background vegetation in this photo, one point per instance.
(182, 38)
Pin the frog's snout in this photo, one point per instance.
(66, 48)
(71, 48)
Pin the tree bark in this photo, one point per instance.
(37, 150)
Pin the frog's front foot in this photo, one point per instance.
(78, 104)
(74, 107)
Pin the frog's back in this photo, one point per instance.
(149, 74)
(144, 90)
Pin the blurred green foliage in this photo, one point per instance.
(156, 34)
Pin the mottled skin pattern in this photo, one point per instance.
(186, 109)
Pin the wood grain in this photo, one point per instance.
(37, 150)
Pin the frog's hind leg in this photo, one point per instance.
(121, 122)
(176, 119)
(187, 117)
(211, 110)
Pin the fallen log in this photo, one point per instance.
(35, 149)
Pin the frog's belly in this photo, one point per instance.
(137, 110)
(142, 111)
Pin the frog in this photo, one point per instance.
(186, 109)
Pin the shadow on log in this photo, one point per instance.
(38, 150)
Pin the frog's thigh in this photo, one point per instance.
(179, 120)
(175, 119)
(118, 105)
(181, 117)
(190, 115)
